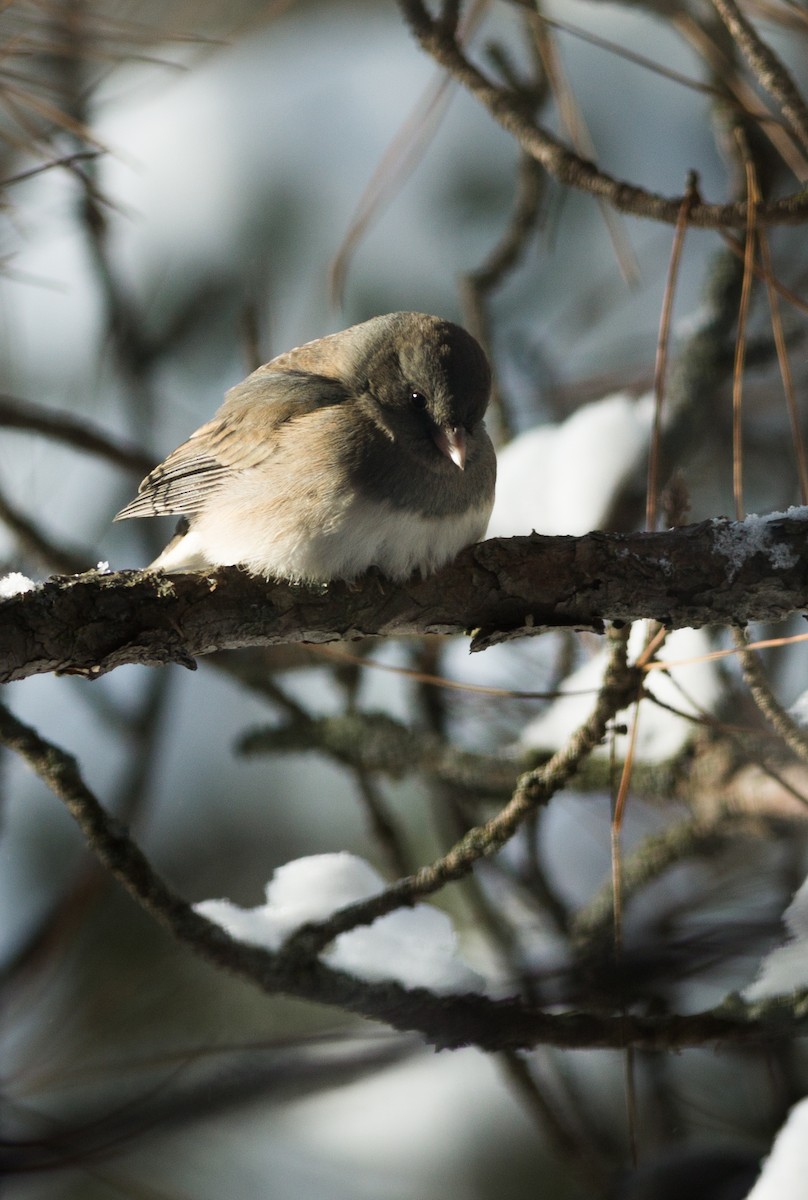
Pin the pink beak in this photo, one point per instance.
(451, 441)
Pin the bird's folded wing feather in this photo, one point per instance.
(243, 434)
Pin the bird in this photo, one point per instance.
(365, 448)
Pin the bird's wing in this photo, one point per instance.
(243, 434)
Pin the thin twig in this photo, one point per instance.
(533, 789)
(67, 160)
(74, 432)
(754, 676)
(383, 829)
(446, 1020)
(70, 907)
(374, 741)
(695, 837)
(35, 542)
(770, 71)
(567, 167)
(571, 1144)
(745, 99)
(740, 740)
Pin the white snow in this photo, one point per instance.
(661, 734)
(785, 969)
(740, 540)
(561, 479)
(785, 1171)
(14, 584)
(799, 709)
(415, 946)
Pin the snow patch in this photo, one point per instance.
(740, 540)
(661, 734)
(785, 969)
(416, 946)
(14, 584)
(561, 479)
(799, 710)
(785, 1171)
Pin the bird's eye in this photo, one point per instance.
(418, 400)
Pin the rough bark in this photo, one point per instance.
(715, 572)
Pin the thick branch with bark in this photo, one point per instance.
(716, 572)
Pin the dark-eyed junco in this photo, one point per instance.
(364, 448)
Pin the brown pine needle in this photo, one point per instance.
(623, 788)
(616, 829)
(639, 60)
(478, 689)
(51, 112)
(663, 339)
(714, 655)
(747, 98)
(793, 299)
(652, 645)
(573, 121)
(752, 198)
(617, 907)
(399, 160)
(785, 365)
(397, 163)
(631, 1105)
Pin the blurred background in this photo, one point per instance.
(188, 190)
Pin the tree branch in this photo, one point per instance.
(447, 1022)
(621, 683)
(571, 169)
(37, 543)
(770, 72)
(72, 431)
(715, 572)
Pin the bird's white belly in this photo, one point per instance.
(339, 542)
